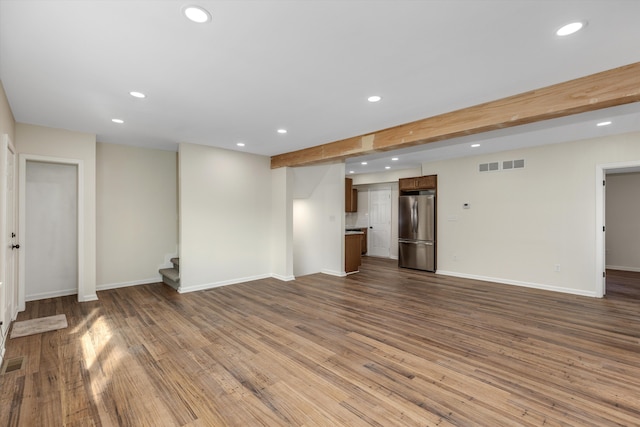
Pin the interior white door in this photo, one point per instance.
(380, 222)
(51, 239)
(8, 290)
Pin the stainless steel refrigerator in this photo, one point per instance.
(417, 232)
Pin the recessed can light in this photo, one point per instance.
(282, 131)
(352, 172)
(136, 94)
(240, 144)
(570, 28)
(374, 98)
(387, 167)
(475, 145)
(363, 163)
(607, 123)
(119, 121)
(196, 14)
(394, 159)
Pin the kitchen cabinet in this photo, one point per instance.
(352, 249)
(350, 196)
(428, 182)
(364, 241)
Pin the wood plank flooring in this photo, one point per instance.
(385, 347)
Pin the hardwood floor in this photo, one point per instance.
(385, 347)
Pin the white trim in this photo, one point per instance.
(283, 278)
(599, 249)
(621, 268)
(54, 294)
(518, 283)
(206, 286)
(79, 163)
(150, 281)
(334, 273)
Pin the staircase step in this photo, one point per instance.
(171, 273)
(175, 261)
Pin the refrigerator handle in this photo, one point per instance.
(414, 217)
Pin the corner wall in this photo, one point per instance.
(318, 220)
(137, 214)
(531, 227)
(225, 217)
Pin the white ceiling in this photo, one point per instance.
(307, 66)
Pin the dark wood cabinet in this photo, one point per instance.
(364, 241)
(352, 255)
(428, 182)
(350, 196)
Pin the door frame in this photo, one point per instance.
(22, 196)
(600, 265)
(5, 146)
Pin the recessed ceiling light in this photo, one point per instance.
(363, 163)
(352, 172)
(387, 167)
(374, 98)
(137, 94)
(240, 144)
(570, 28)
(394, 159)
(607, 123)
(475, 145)
(282, 131)
(196, 14)
(119, 121)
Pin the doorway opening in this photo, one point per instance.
(602, 171)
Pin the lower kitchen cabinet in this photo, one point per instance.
(352, 252)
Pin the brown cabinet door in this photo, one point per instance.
(418, 183)
(427, 182)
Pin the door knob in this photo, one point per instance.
(15, 246)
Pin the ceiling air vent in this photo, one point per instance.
(518, 164)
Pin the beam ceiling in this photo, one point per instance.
(601, 90)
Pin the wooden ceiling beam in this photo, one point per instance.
(606, 89)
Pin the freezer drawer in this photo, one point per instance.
(417, 254)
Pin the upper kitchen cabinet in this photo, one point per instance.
(428, 182)
(350, 196)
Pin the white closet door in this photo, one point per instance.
(51, 241)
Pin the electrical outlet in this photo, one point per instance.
(556, 268)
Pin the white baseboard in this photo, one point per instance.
(108, 286)
(87, 298)
(334, 273)
(55, 294)
(617, 267)
(185, 289)
(519, 283)
(283, 278)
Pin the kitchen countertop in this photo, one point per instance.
(349, 233)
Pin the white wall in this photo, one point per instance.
(225, 217)
(623, 221)
(282, 223)
(318, 220)
(523, 224)
(137, 214)
(43, 141)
